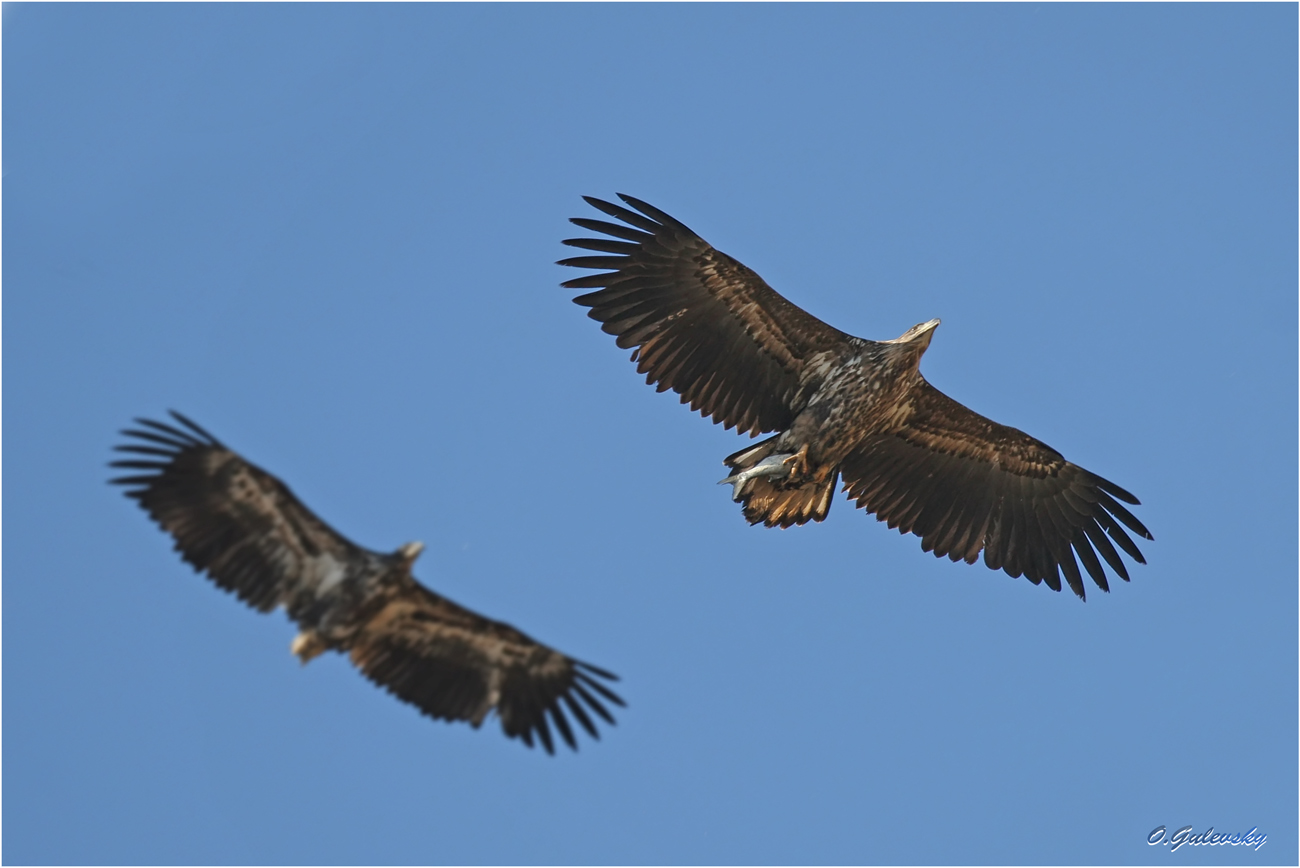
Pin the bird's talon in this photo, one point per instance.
(798, 463)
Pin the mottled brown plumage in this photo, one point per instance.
(251, 536)
(702, 324)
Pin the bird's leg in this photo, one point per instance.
(798, 463)
(307, 645)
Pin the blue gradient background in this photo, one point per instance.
(328, 234)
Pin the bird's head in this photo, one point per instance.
(915, 341)
(409, 552)
(919, 334)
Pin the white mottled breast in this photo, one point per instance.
(861, 395)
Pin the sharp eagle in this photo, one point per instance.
(704, 325)
(251, 536)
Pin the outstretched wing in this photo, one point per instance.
(237, 523)
(964, 483)
(453, 664)
(699, 322)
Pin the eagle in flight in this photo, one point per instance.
(247, 531)
(704, 325)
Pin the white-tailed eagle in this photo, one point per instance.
(251, 536)
(702, 324)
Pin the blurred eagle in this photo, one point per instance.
(702, 324)
(248, 532)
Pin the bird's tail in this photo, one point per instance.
(761, 485)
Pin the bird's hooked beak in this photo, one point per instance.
(925, 329)
(921, 332)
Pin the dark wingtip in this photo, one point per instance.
(543, 731)
(562, 724)
(132, 480)
(635, 202)
(601, 689)
(1115, 491)
(593, 703)
(575, 708)
(185, 437)
(653, 213)
(596, 670)
(194, 426)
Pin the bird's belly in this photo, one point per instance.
(842, 415)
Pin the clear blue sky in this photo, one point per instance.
(328, 233)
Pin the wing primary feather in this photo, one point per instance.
(595, 670)
(557, 715)
(580, 715)
(1037, 552)
(992, 540)
(1057, 528)
(1074, 497)
(1103, 545)
(610, 262)
(601, 689)
(1055, 541)
(1041, 534)
(589, 281)
(1109, 504)
(132, 480)
(1116, 532)
(594, 703)
(605, 245)
(655, 214)
(1013, 540)
(629, 217)
(172, 441)
(625, 232)
(531, 700)
(195, 427)
(1110, 487)
(145, 450)
(139, 464)
(544, 731)
(1052, 577)
(186, 437)
(1089, 558)
(1072, 576)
